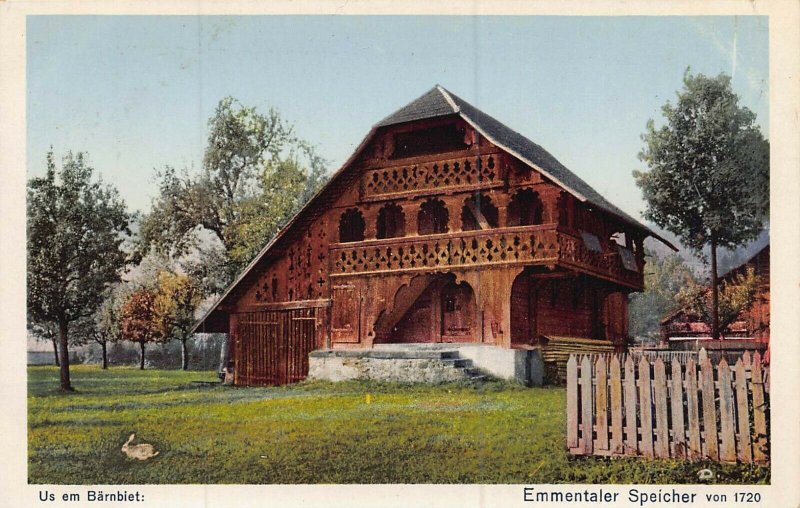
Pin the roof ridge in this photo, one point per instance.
(446, 94)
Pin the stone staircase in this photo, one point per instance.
(426, 363)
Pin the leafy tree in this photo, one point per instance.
(709, 172)
(735, 296)
(105, 324)
(76, 228)
(285, 187)
(139, 319)
(176, 301)
(245, 150)
(664, 278)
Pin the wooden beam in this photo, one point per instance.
(482, 222)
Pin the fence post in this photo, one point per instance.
(660, 401)
(693, 410)
(743, 409)
(616, 405)
(728, 450)
(572, 402)
(645, 408)
(601, 403)
(586, 405)
(631, 438)
(710, 436)
(676, 400)
(759, 411)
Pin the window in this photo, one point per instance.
(436, 139)
(478, 213)
(525, 209)
(351, 226)
(433, 217)
(391, 222)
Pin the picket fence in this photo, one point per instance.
(692, 410)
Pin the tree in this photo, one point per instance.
(105, 324)
(285, 187)
(76, 228)
(663, 280)
(735, 296)
(139, 321)
(244, 149)
(709, 172)
(176, 301)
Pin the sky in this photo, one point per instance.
(136, 92)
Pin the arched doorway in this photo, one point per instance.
(437, 311)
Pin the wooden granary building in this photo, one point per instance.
(683, 330)
(444, 226)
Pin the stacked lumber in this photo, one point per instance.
(556, 351)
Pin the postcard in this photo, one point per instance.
(441, 254)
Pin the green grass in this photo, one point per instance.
(315, 433)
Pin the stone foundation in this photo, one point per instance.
(427, 363)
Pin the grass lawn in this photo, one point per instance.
(315, 433)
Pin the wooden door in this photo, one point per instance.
(272, 346)
(345, 314)
(458, 313)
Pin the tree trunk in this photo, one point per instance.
(105, 355)
(55, 350)
(64, 355)
(224, 354)
(141, 359)
(185, 353)
(714, 292)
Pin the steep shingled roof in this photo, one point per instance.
(439, 102)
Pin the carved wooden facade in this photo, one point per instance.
(444, 226)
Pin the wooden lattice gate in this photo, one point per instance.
(271, 347)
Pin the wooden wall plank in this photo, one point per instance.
(660, 401)
(743, 413)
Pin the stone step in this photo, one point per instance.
(447, 362)
(472, 371)
(385, 354)
(457, 362)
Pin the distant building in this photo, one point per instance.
(683, 330)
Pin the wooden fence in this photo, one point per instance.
(692, 410)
